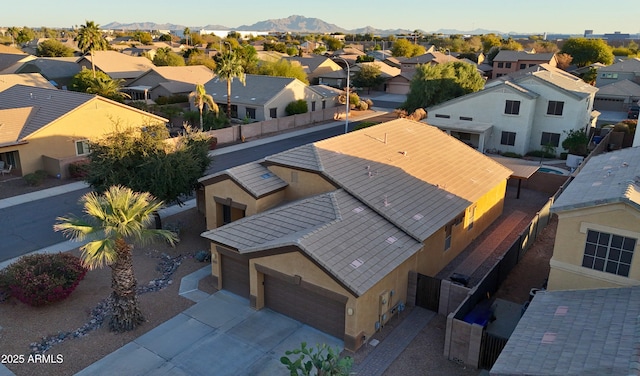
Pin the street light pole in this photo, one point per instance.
(346, 117)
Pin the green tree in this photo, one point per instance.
(229, 67)
(137, 158)
(187, 34)
(53, 48)
(143, 37)
(490, 41)
(25, 35)
(121, 217)
(200, 99)
(165, 57)
(368, 76)
(165, 38)
(365, 58)
(588, 51)
(404, 48)
(283, 68)
(90, 39)
(84, 79)
(201, 59)
(108, 88)
(249, 57)
(333, 44)
(321, 361)
(433, 84)
(297, 107)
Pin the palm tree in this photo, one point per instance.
(108, 88)
(187, 33)
(89, 39)
(228, 67)
(117, 217)
(200, 98)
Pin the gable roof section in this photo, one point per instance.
(192, 74)
(52, 67)
(326, 91)
(623, 88)
(351, 242)
(313, 62)
(629, 66)
(48, 104)
(505, 86)
(612, 177)
(28, 79)
(409, 172)
(429, 57)
(386, 70)
(119, 65)
(578, 89)
(11, 123)
(575, 332)
(253, 177)
(259, 90)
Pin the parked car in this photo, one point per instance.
(633, 112)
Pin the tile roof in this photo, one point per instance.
(255, 178)
(9, 62)
(118, 65)
(508, 55)
(623, 88)
(47, 104)
(409, 172)
(346, 238)
(259, 90)
(28, 79)
(52, 67)
(11, 123)
(386, 70)
(436, 57)
(606, 178)
(312, 62)
(629, 65)
(326, 91)
(575, 332)
(192, 74)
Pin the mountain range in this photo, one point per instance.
(292, 24)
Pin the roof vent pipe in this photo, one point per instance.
(385, 138)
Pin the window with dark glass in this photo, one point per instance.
(555, 108)
(608, 253)
(552, 139)
(508, 138)
(273, 113)
(512, 107)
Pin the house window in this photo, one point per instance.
(447, 236)
(531, 65)
(552, 139)
(251, 113)
(512, 107)
(522, 66)
(507, 65)
(234, 111)
(273, 113)
(508, 138)
(471, 217)
(500, 65)
(499, 75)
(466, 118)
(226, 214)
(608, 253)
(313, 106)
(555, 108)
(443, 116)
(324, 104)
(82, 147)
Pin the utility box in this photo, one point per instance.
(384, 306)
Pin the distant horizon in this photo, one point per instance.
(463, 15)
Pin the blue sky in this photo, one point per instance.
(515, 16)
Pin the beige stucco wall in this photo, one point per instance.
(571, 234)
(302, 184)
(229, 189)
(91, 121)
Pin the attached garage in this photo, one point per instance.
(312, 305)
(235, 275)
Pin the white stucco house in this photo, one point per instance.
(519, 113)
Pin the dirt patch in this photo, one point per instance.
(22, 325)
(13, 186)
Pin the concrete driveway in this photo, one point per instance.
(218, 336)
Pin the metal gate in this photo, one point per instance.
(490, 349)
(428, 292)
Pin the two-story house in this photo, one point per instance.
(599, 225)
(328, 233)
(531, 111)
(507, 61)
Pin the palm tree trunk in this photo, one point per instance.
(126, 314)
(93, 66)
(229, 99)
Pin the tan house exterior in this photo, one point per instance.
(168, 81)
(599, 225)
(507, 61)
(117, 65)
(43, 128)
(328, 232)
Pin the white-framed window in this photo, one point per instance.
(548, 138)
(82, 147)
(608, 253)
(508, 138)
(555, 108)
(512, 107)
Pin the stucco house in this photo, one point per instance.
(168, 81)
(118, 65)
(624, 70)
(329, 232)
(315, 66)
(507, 61)
(408, 65)
(263, 97)
(599, 225)
(535, 108)
(43, 129)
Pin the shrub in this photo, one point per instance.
(79, 170)
(365, 124)
(203, 256)
(576, 142)
(511, 154)
(541, 154)
(41, 279)
(35, 179)
(297, 107)
(172, 99)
